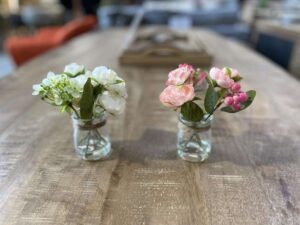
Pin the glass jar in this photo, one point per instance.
(91, 138)
(194, 139)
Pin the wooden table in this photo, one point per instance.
(252, 176)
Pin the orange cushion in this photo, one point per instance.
(47, 33)
(74, 28)
(25, 48)
(22, 49)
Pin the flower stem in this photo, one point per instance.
(218, 105)
(72, 107)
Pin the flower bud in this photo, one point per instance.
(242, 97)
(236, 106)
(228, 101)
(236, 87)
(236, 99)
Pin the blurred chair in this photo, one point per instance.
(222, 16)
(278, 49)
(23, 49)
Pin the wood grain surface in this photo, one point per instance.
(252, 176)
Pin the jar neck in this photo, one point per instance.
(94, 123)
(205, 123)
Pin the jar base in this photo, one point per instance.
(193, 153)
(95, 155)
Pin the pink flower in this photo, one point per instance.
(229, 101)
(225, 82)
(236, 99)
(175, 96)
(234, 73)
(242, 96)
(180, 75)
(201, 78)
(231, 72)
(221, 78)
(236, 87)
(236, 106)
(215, 73)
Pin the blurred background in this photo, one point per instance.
(29, 28)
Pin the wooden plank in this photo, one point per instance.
(158, 46)
(252, 176)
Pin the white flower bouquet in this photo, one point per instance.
(82, 92)
(87, 96)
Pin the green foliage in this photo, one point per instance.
(251, 95)
(87, 101)
(118, 81)
(209, 80)
(222, 92)
(195, 78)
(196, 99)
(98, 90)
(69, 74)
(74, 75)
(236, 79)
(191, 111)
(227, 71)
(63, 108)
(211, 99)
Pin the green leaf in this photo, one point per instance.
(68, 74)
(118, 81)
(87, 101)
(98, 90)
(195, 78)
(196, 99)
(251, 95)
(191, 111)
(211, 99)
(222, 92)
(68, 110)
(63, 108)
(236, 79)
(77, 74)
(227, 71)
(209, 80)
(228, 109)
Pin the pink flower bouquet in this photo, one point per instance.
(223, 90)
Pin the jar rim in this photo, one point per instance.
(101, 116)
(94, 123)
(205, 122)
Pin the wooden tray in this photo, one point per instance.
(163, 47)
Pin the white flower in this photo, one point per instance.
(74, 69)
(79, 82)
(105, 76)
(37, 88)
(66, 89)
(119, 88)
(110, 80)
(58, 100)
(50, 75)
(51, 79)
(114, 104)
(90, 75)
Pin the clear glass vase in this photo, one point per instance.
(194, 139)
(91, 138)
